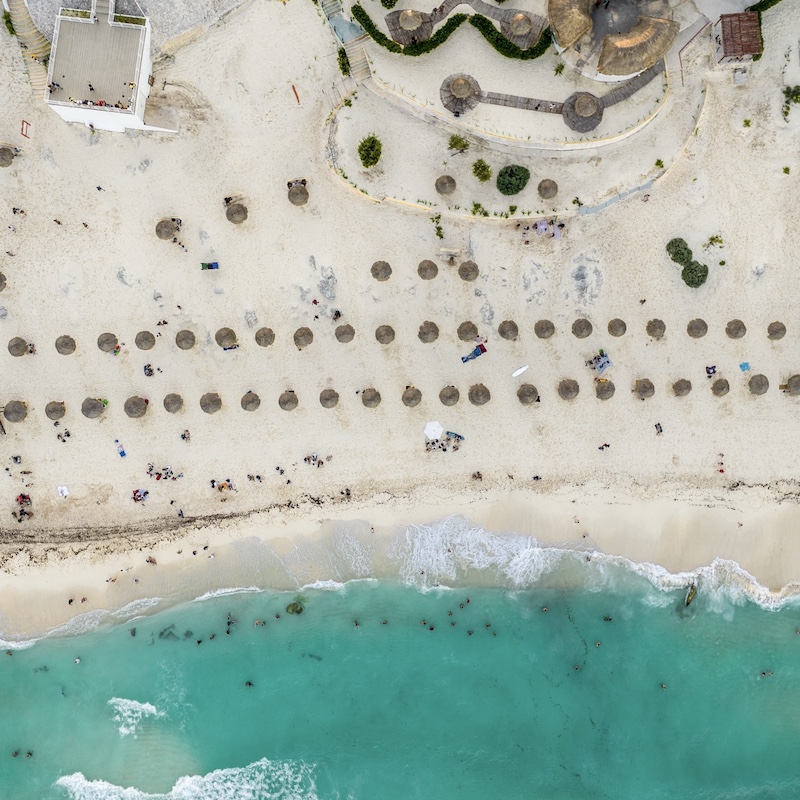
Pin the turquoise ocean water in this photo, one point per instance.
(467, 692)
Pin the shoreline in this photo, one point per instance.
(508, 539)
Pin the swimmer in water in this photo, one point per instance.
(77, 661)
(248, 684)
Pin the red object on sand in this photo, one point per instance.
(297, 96)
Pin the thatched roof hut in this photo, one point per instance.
(682, 387)
(467, 331)
(185, 340)
(604, 389)
(520, 24)
(107, 342)
(298, 194)
(344, 333)
(2, 282)
(427, 270)
(776, 330)
(145, 340)
(15, 410)
(428, 332)
(173, 403)
(55, 409)
(547, 189)
(328, 398)
(211, 402)
(736, 329)
(91, 408)
(166, 230)
(508, 330)
(265, 337)
(527, 394)
(288, 400)
(412, 397)
(371, 398)
(17, 346)
(250, 401)
(65, 345)
(225, 337)
(720, 387)
(381, 271)
(582, 328)
(410, 19)
(758, 384)
(644, 388)
(303, 337)
(617, 327)
(793, 385)
(544, 329)
(459, 93)
(445, 184)
(640, 48)
(479, 395)
(568, 389)
(236, 213)
(449, 396)
(6, 156)
(569, 20)
(135, 407)
(697, 328)
(468, 271)
(656, 328)
(384, 334)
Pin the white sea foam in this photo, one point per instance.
(129, 713)
(226, 592)
(136, 608)
(263, 780)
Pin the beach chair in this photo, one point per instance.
(209, 265)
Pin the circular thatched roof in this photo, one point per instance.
(55, 409)
(371, 398)
(508, 329)
(449, 396)
(644, 388)
(236, 213)
(345, 333)
(250, 401)
(479, 395)
(17, 346)
(328, 398)
(604, 390)
(617, 327)
(520, 24)
(428, 332)
(185, 340)
(467, 331)
(381, 271)
(585, 105)
(568, 389)
(427, 270)
(445, 184)
(91, 408)
(547, 189)
(582, 112)
(544, 329)
(298, 195)
(288, 400)
(384, 334)
(135, 407)
(656, 328)
(793, 385)
(582, 328)
(412, 397)
(165, 229)
(459, 93)
(527, 394)
(2, 281)
(211, 402)
(6, 156)
(682, 387)
(145, 340)
(225, 337)
(173, 403)
(107, 342)
(265, 337)
(65, 345)
(697, 328)
(303, 337)
(720, 387)
(460, 87)
(15, 411)
(758, 384)
(410, 19)
(468, 271)
(735, 329)
(776, 330)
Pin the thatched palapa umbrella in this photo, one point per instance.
(720, 387)
(449, 396)
(2, 281)
(427, 270)
(384, 334)
(298, 194)
(288, 400)
(604, 389)
(185, 340)
(225, 337)
(265, 337)
(55, 410)
(758, 384)
(527, 394)
(544, 329)
(793, 385)
(617, 327)
(6, 156)
(344, 333)
(735, 329)
(479, 395)
(145, 340)
(468, 271)
(682, 387)
(467, 331)
(568, 389)
(17, 347)
(644, 388)
(776, 330)
(211, 402)
(15, 411)
(371, 398)
(107, 342)
(328, 398)
(166, 229)
(547, 189)
(412, 397)
(381, 271)
(428, 332)
(236, 213)
(697, 328)
(445, 184)
(65, 345)
(303, 337)
(135, 407)
(656, 328)
(91, 408)
(410, 19)
(173, 403)
(508, 330)
(250, 401)
(520, 24)
(582, 328)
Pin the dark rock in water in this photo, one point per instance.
(133, 631)
(171, 637)
(314, 656)
(294, 608)
(166, 631)
(187, 634)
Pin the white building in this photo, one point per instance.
(99, 69)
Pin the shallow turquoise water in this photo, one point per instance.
(528, 707)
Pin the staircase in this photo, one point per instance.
(34, 47)
(356, 55)
(331, 8)
(101, 9)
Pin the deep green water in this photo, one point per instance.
(529, 707)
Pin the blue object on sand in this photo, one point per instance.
(745, 366)
(478, 351)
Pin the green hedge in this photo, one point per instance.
(344, 61)
(679, 252)
(694, 274)
(388, 3)
(441, 36)
(505, 46)
(365, 21)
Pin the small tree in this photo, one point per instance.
(458, 143)
(694, 274)
(512, 179)
(481, 170)
(344, 62)
(369, 150)
(679, 252)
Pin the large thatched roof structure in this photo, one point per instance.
(569, 20)
(643, 46)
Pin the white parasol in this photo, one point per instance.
(433, 431)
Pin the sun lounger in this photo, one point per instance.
(209, 265)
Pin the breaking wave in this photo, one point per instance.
(129, 713)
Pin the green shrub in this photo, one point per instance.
(559, 68)
(369, 150)
(505, 46)
(679, 252)
(9, 24)
(694, 274)
(479, 211)
(748, 123)
(458, 143)
(388, 3)
(344, 62)
(786, 170)
(442, 35)
(481, 170)
(364, 19)
(512, 179)
(659, 163)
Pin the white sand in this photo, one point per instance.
(242, 131)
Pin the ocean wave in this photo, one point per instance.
(225, 592)
(129, 713)
(335, 586)
(262, 780)
(136, 608)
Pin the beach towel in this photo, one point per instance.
(478, 351)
